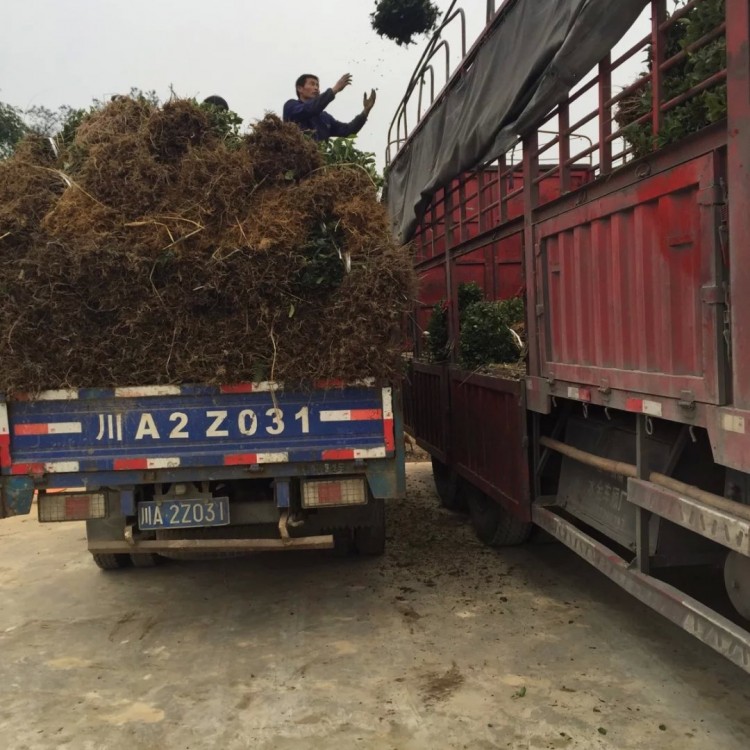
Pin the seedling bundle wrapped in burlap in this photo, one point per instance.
(154, 251)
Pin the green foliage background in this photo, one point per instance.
(484, 337)
(62, 123)
(699, 110)
(485, 334)
(343, 151)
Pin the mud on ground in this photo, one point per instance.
(442, 643)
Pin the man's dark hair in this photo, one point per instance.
(302, 80)
(217, 101)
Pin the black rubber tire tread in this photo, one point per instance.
(493, 525)
(108, 561)
(343, 543)
(737, 582)
(370, 540)
(144, 560)
(448, 487)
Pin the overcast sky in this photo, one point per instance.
(55, 52)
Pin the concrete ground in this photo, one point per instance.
(440, 644)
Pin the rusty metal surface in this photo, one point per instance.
(595, 494)
(626, 285)
(738, 174)
(716, 525)
(625, 276)
(729, 430)
(426, 404)
(489, 437)
(637, 292)
(716, 631)
(212, 545)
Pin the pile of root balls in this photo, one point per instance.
(151, 250)
(402, 20)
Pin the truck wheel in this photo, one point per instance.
(370, 540)
(110, 562)
(447, 485)
(737, 580)
(493, 525)
(145, 560)
(343, 543)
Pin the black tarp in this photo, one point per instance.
(535, 53)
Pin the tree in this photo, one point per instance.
(12, 129)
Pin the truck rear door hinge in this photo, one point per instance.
(712, 295)
(687, 400)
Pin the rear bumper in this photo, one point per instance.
(211, 545)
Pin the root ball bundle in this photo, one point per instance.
(154, 251)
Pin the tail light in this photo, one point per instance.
(324, 493)
(72, 507)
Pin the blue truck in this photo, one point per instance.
(184, 471)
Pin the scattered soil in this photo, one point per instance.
(513, 371)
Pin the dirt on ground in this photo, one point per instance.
(441, 643)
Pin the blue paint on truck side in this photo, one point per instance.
(103, 439)
(200, 430)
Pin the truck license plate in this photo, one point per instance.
(183, 514)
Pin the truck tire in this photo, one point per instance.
(343, 543)
(110, 562)
(448, 486)
(144, 560)
(370, 540)
(737, 581)
(493, 525)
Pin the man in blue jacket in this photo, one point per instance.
(308, 109)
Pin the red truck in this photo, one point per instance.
(628, 439)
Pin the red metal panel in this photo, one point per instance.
(432, 289)
(623, 280)
(489, 441)
(508, 278)
(425, 394)
(738, 167)
(471, 268)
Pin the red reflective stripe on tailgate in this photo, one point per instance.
(4, 450)
(389, 435)
(5, 459)
(366, 415)
(237, 388)
(125, 464)
(241, 459)
(27, 469)
(31, 429)
(338, 455)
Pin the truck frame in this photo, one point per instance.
(629, 438)
(185, 471)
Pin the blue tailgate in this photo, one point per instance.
(182, 426)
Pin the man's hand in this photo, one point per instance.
(342, 83)
(369, 101)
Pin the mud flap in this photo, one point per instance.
(16, 496)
